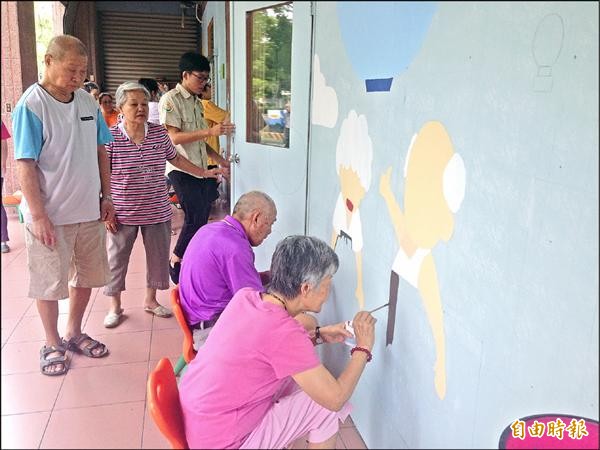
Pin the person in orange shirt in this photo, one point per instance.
(213, 115)
(110, 114)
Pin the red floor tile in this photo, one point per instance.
(15, 307)
(132, 297)
(21, 357)
(103, 385)
(123, 348)
(108, 426)
(351, 438)
(151, 436)
(134, 319)
(166, 343)
(8, 326)
(24, 430)
(14, 288)
(30, 329)
(30, 392)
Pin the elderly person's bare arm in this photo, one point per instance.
(181, 162)
(41, 225)
(308, 321)
(186, 137)
(219, 159)
(107, 210)
(319, 383)
(4, 154)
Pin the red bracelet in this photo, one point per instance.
(362, 349)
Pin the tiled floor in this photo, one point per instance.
(99, 403)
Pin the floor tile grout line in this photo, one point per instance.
(14, 328)
(97, 405)
(62, 383)
(80, 368)
(146, 391)
(96, 334)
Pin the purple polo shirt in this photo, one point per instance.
(217, 263)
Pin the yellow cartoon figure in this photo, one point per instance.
(354, 154)
(434, 189)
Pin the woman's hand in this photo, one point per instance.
(334, 333)
(212, 173)
(364, 329)
(225, 171)
(111, 225)
(107, 210)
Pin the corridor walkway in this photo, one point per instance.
(100, 403)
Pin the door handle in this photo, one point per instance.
(235, 158)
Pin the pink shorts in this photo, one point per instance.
(293, 416)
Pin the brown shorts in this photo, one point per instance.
(78, 259)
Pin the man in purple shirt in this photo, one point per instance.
(219, 261)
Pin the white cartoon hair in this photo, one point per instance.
(354, 148)
(454, 182)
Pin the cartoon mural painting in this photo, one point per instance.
(434, 189)
(382, 38)
(354, 154)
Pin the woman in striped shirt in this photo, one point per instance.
(138, 157)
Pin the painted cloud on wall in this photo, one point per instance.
(383, 38)
(324, 101)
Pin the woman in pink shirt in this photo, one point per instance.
(257, 382)
(138, 155)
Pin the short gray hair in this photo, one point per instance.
(128, 86)
(60, 45)
(251, 201)
(300, 259)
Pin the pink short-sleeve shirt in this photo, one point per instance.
(251, 351)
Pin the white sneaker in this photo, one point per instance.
(113, 319)
(5, 248)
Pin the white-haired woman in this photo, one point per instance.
(257, 381)
(138, 157)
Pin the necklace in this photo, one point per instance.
(276, 297)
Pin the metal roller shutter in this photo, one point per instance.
(144, 45)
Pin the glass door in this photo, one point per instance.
(271, 64)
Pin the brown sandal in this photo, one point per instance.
(54, 361)
(88, 349)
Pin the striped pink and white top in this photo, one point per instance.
(138, 184)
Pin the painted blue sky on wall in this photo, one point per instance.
(382, 38)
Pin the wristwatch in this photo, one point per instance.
(318, 338)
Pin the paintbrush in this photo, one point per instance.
(379, 307)
(348, 325)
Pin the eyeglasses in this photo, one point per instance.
(203, 78)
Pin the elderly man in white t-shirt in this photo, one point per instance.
(59, 135)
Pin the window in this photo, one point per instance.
(269, 74)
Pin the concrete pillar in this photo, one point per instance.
(19, 68)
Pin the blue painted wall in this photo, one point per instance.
(515, 85)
